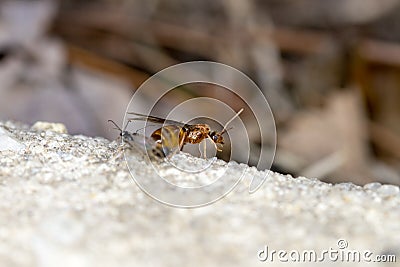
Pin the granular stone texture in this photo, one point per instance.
(71, 201)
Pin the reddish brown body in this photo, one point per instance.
(188, 134)
(176, 134)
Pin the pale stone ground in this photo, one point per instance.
(71, 201)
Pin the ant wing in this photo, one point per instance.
(142, 117)
(145, 145)
(171, 139)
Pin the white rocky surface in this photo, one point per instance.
(9, 143)
(70, 201)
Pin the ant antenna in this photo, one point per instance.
(234, 117)
(117, 127)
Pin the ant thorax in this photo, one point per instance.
(197, 134)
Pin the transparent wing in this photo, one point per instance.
(145, 144)
(171, 139)
(142, 117)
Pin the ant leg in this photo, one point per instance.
(182, 142)
(215, 145)
(205, 149)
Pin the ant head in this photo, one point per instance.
(217, 137)
(123, 133)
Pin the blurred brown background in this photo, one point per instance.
(329, 69)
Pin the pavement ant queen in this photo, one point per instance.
(173, 135)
